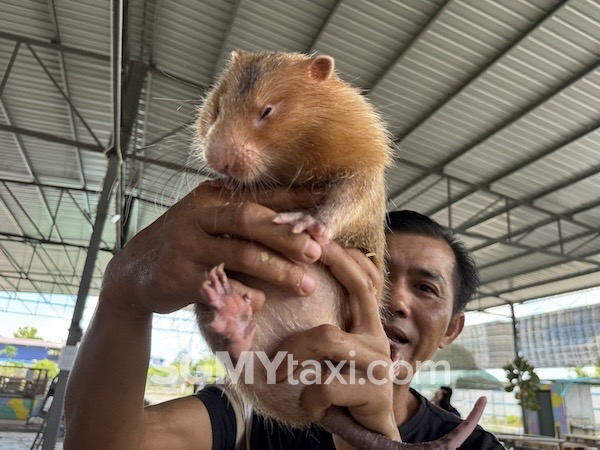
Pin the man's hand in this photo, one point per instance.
(364, 344)
(163, 267)
(162, 270)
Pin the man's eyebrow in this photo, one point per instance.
(431, 275)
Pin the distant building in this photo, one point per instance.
(28, 350)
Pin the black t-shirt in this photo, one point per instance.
(428, 424)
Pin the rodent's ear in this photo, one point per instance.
(236, 55)
(321, 68)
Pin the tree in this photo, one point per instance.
(522, 377)
(27, 333)
(9, 350)
(50, 366)
(580, 372)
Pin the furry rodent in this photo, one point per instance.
(286, 120)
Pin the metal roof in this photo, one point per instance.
(494, 106)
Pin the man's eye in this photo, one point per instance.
(426, 288)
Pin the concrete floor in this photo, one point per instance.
(19, 440)
(15, 435)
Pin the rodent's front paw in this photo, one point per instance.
(301, 222)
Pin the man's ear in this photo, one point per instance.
(455, 327)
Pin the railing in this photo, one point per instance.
(22, 382)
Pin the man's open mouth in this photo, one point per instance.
(395, 335)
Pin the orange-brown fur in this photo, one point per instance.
(323, 132)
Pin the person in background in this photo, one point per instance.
(442, 399)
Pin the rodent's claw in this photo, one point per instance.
(301, 222)
(233, 314)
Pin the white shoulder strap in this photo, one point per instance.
(243, 417)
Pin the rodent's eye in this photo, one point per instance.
(266, 112)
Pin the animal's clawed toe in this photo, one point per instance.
(233, 313)
(301, 222)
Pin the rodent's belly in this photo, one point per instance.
(282, 316)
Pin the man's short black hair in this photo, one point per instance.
(466, 277)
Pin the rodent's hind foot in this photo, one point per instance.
(304, 222)
(233, 314)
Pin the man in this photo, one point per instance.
(442, 398)
(161, 270)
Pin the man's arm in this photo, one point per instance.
(161, 270)
(104, 405)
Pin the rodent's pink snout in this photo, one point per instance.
(217, 161)
(241, 164)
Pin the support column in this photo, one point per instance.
(516, 349)
(113, 175)
(68, 353)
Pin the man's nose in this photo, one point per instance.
(400, 300)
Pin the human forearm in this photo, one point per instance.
(161, 270)
(104, 399)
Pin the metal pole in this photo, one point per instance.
(516, 349)
(115, 160)
(514, 329)
(68, 353)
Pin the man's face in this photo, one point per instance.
(421, 299)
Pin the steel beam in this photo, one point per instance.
(169, 165)
(97, 56)
(12, 237)
(594, 128)
(18, 142)
(422, 30)
(562, 258)
(171, 76)
(581, 273)
(88, 190)
(588, 235)
(534, 26)
(64, 95)
(539, 268)
(28, 164)
(24, 211)
(53, 45)
(222, 55)
(134, 83)
(565, 216)
(168, 135)
(50, 186)
(10, 214)
(51, 138)
(330, 15)
(517, 354)
(70, 287)
(23, 275)
(514, 118)
(9, 68)
(157, 9)
(523, 202)
(63, 72)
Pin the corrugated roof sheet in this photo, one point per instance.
(494, 105)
